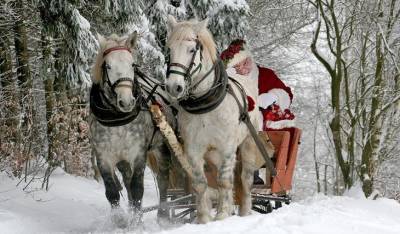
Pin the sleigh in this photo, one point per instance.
(266, 197)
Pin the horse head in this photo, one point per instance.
(114, 70)
(191, 50)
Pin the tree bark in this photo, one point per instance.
(21, 49)
(9, 86)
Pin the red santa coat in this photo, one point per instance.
(268, 80)
(274, 99)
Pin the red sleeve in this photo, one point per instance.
(267, 80)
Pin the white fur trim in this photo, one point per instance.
(231, 71)
(240, 56)
(283, 100)
(266, 99)
(260, 120)
(281, 124)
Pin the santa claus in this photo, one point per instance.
(274, 96)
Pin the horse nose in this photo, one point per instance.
(125, 105)
(121, 104)
(179, 88)
(175, 90)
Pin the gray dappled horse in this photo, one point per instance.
(122, 130)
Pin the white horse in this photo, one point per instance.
(208, 116)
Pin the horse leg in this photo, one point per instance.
(126, 171)
(248, 151)
(112, 190)
(225, 186)
(137, 186)
(163, 157)
(199, 184)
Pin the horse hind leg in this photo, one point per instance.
(248, 151)
(137, 184)
(225, 186)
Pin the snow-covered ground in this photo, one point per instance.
(78, 205)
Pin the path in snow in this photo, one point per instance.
(78, 205)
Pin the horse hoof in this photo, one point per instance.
(222, 215)
(163, 221)
(202, 219)
(118, 217)
(244, 213)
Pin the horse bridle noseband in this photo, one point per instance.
(188, 74)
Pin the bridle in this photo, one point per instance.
(188, 73)
(105, 110)
(106, 79)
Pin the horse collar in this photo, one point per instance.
(214, 97)
(106, 114)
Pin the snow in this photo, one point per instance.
(78, 205)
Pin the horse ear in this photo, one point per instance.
(171, 22)
(102, 40)
(132, 40)
(202, 25)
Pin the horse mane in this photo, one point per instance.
(111, 41)
(182, 29)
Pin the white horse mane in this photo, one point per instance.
(182, 29)
(105, 43)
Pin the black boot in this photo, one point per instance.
(257, 178)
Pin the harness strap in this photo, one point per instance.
(114, 49)
(177, 72)
(179, 65)
(193, 87)
(244, 116)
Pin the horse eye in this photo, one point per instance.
(108, 66)
(192, 50)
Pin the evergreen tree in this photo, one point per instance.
(228, 19)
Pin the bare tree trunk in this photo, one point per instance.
(315, 158)
(21, 49)
(9, 87)
(369, 153)
(326, 179)
(24, 84)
